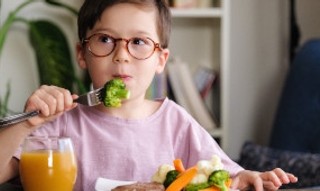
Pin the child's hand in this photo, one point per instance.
(270, 180)
(52, 101)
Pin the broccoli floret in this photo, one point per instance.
(196, 187)
(219, 178)
(114, 92)
(170, 177)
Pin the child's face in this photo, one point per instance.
(125, 21)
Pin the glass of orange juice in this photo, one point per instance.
(48, 163)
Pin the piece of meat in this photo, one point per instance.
(141, 186)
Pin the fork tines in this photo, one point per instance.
(91, 98)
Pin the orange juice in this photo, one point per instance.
(48, 170)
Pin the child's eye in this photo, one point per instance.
(105, 39)
(139, 41)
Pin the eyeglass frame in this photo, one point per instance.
(115, 40)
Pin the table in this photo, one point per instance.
(296, 190)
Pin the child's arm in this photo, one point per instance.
(52, 101)
(10, 139)
(270, 180)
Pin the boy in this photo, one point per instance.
(126, 39)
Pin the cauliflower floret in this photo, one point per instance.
(161, 174)
(205, 168)
(199, 178)
(216, 162)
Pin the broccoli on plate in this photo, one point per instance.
(196, 187)
(171, 176)
(219, 178)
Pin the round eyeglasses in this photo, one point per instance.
(102, 45)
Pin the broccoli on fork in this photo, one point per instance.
(219, 178)
(114, 92)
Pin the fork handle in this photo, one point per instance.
(18, 118)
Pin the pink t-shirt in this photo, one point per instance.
(131, 149)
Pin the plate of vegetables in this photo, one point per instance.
(206, 175)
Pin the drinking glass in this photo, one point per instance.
(48, 164)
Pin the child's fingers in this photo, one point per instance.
(278, 177)
(50, 100)
(258, 184)
(269, 185)
(292, 177)
(271, 176)
(284, 176)
(281, 175)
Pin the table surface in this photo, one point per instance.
(306, 189)
(297, 190)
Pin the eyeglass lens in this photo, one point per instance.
(103, 45)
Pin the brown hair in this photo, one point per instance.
(92, 10)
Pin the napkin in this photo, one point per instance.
(103, 184)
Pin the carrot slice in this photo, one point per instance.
(183, 179)
(181, 173)
(178, 165)
(214, 188)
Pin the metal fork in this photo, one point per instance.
(91, 98)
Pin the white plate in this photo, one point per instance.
(103, 184)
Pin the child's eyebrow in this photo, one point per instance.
(133, 33)
(101, 30)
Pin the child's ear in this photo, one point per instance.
(163, 58)
(80, 56)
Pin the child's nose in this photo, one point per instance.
(121, 53)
